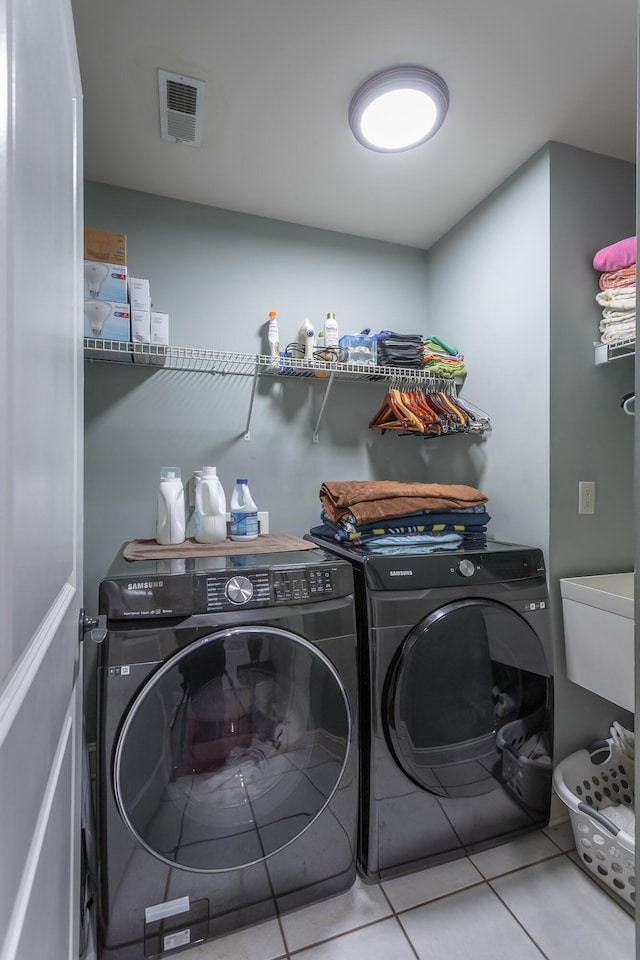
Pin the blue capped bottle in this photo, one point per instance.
(244, 513)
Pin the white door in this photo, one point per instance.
(40, 479)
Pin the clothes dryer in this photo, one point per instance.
(456, 702)
(227, 746)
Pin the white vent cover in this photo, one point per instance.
(180, 108)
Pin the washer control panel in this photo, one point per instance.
(260, 589)
(202, 592)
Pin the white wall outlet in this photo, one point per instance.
(586, 496)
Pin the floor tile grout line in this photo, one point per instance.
(398, 913)
(524, 866)
(518, 921)
(336, 936)
(443, 896)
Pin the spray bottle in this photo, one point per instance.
(274, 339)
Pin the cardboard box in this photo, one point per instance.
(105, 247)
(105, 281)
(139, 294)
(159, 327)
(107, 320)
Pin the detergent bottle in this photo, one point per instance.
(170, 526)
(197, 477)
(244, 513)
(211, 507)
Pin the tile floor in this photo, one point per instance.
(524, 900)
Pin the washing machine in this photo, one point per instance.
(456, 697)
(227, 745)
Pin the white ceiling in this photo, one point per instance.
(279, 77)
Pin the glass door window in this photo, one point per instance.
(232, 749)
(466, 672)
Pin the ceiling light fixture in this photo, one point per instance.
(399, 109)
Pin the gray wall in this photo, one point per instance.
(511, 285)
(489, 277)
(518, 271)
(591, 438)
(218, 274)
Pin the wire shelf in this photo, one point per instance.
(614, 350)
(247, 364)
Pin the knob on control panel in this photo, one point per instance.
(466, 568)
(240, 590)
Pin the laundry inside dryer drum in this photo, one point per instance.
(225, 757)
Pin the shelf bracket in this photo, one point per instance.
(247, 431)
(323, 405)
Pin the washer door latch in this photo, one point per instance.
(92, 628)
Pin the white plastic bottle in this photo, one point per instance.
(244, 513)
(331, 331)
(170, 525)
(274, 339)
(211, 506)
(197, 477)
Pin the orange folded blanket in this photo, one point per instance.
(625, 277)
(369, 500)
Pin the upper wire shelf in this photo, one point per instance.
(614, 350)
(247, 364)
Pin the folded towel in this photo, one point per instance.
(370, 500)
(626, 277)
(618, 329)
(433, 344)
(616, 256)
(618, 298)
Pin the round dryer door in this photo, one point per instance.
(469, 670)
(232, 749)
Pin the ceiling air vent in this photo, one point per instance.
(180, 108)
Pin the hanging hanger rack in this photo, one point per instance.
(428, 409)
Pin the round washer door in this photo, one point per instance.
(232, 748)
(464, 672)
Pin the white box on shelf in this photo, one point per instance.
(159, 327)
(140, 325)
(139, 294)
(105, 281)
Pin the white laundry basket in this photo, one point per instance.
(585, 781)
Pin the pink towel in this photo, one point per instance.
(615, 257)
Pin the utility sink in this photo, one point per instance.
(598, 635)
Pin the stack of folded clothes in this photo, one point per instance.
(441, 359)
(393, 516)
(399, 349)
(617, 296)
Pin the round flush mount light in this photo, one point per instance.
(399, 109)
